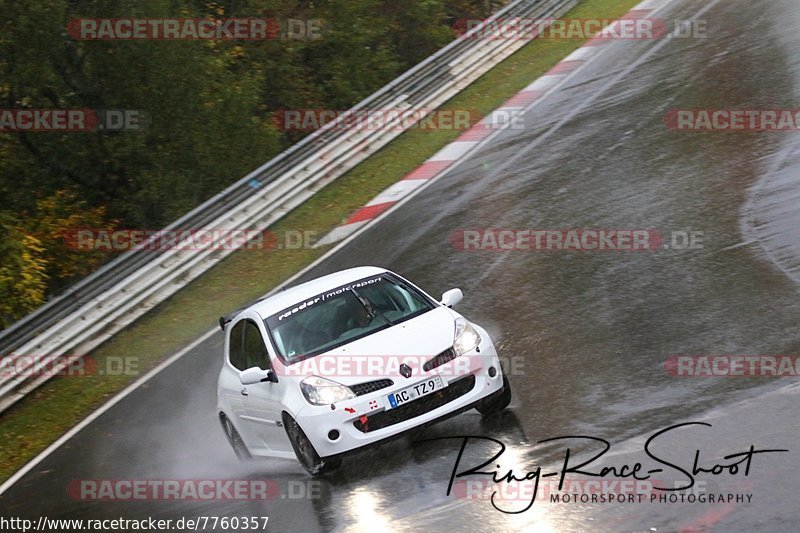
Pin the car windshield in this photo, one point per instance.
(342, 315)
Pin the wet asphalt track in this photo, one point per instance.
(587, 333)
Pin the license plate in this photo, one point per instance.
(423, 388)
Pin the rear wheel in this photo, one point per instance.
(304, 450)
(497, 401)
(234, 438)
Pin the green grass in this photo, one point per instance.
(41, 418)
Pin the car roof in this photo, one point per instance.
(291, 296)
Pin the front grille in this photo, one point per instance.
(444, 357)
(371, 386)
(418, 407)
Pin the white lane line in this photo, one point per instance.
(395, 192)
(583, 53)
(339, 233)
(544, 83)
(453, 151)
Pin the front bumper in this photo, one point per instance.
(364, 420)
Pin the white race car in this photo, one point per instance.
(348, 360)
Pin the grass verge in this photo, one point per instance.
(38, 420)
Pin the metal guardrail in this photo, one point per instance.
(100, 305)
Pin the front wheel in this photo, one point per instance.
(497, 401)
(304, 450)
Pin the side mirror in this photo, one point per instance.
(254, 375)
(452, 297)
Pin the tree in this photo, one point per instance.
(23, 281)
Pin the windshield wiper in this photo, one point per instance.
(368, 306)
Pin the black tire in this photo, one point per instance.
(496, 402)
(304, 450)
(235, 440)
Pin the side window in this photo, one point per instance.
(255, 352)
(236, 352)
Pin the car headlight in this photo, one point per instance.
(321, 391)
(467, 338)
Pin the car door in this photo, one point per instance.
(233, 389)
(262, 401)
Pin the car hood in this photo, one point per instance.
(414, 341)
